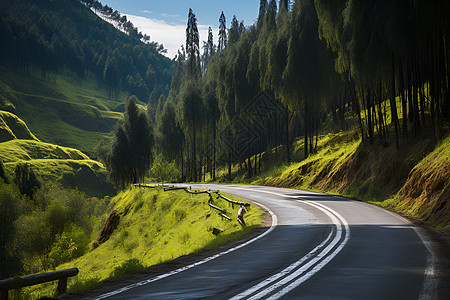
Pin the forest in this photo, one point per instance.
(385, 63)
(55, 36)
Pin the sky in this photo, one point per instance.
(165, 20)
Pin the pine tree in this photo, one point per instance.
(233, 32)
(262, 13)
(222, 33)
(192, 46)
(131, 148)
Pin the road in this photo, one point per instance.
(319, 247)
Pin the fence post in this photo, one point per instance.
(62, 286)
(3, 295)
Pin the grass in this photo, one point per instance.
(67, 166)
(155, 227)
(61, 109)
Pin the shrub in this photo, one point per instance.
(130, 266)
(63, 250)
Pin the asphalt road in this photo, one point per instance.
(319, 247)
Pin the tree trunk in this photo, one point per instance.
(305, 128)
(394, 105)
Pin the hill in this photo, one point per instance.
(150, 226)
(67, 73)
(69, 167)
(56, 35)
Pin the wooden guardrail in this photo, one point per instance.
(217, 208)
(188, 189)
(234, 202)
(20, 282)
(145, 185)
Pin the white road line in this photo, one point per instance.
(430, 274)
(153, 279)
(320, 260)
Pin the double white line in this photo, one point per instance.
(291, 277)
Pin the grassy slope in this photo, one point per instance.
(53, 163)
(61, 110)
(157, 226)
(414, 179)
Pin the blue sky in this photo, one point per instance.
(165, 20)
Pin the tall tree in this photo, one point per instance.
(192, 108)
(208, 49)
(222, 33)
(131, 147)
(233, 32)
(192, 46)
(262, 13)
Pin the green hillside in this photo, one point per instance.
(61, 111)
(67, 166)
(70, 72)
(153, 227)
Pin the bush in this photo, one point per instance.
(130, 266)
(63, 250)
(11, 205)
(26, 179)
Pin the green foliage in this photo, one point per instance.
(11, 206)
(3, 175)
(163, 171)
(63, 250)
(130, 266)
(131, 149)
(158, 226)
(26, 179)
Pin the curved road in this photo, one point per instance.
(319, 247)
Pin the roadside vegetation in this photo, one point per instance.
(146, 227)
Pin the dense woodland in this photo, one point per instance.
(66, 35)
(384, 62)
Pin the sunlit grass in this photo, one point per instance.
(156, 227)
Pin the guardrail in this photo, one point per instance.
(188, 189)
(20, 282)
(234, 202)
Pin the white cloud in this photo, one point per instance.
(146, 11)
(171, 35)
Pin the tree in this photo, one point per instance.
(192, 46)
(26, 179)
(11, 204)
(233, 32)
(192, 106)
(208, 49)
(3, 173)
(262, 13)
(222, 33)
(131, 147)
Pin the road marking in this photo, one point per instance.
(430, 274)
(153, 279)
(319, 260)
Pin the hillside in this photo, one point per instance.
(55, 35)
(69, 167)
(70, 72)
(413, 180)
(150, 226)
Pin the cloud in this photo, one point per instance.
(146, 11)
(166, 15)
(172, 36)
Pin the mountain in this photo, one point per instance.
(56, 35)
(66, 72)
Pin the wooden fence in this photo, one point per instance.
(20, 282)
